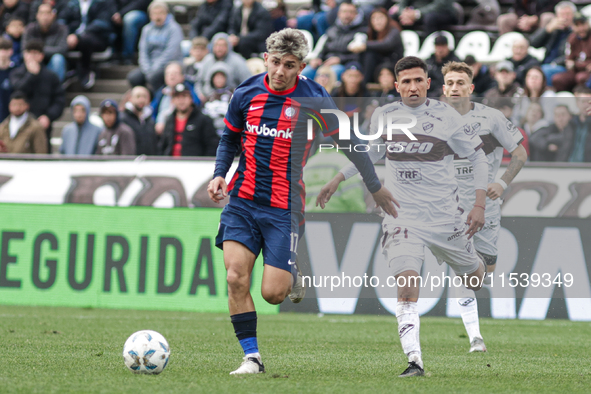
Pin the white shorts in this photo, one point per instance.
(485, 240)
(404, 247)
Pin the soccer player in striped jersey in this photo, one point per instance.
(265, 212)
(420, 175)
(497, 132)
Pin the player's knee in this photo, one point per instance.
(237, 280)
(273, 296)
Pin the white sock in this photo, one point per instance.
(408, 330)
(469, 311)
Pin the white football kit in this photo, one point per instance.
(421, 177)
(496, 132)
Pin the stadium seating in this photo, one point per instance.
(428, 46)
(410, 40)
(503, 47)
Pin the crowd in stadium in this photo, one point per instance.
(179, 93)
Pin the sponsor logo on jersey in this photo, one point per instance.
(427, 113)
(409, 175)
(405, 329)
(264, 130)
(464, 170)
(476, 127)
(455, 235)
(467, 302)
(427, 127)
(410, 147)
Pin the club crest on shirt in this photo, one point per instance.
(468, 130)
(290, 112)
(427, 127)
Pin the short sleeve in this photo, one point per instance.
(464, 141)
(234, 118)
(505, 131)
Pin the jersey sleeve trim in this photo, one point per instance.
(234, 129)
(329, 133)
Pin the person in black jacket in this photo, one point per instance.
(138, 116)
(441, 56)
(250, 25)
(41, 86)
(187, 132)
(10, 9)
(553, 143)
(90, 29)
(129, 19)
(212, 18)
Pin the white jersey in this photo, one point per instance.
(496, 132)
(420, 174)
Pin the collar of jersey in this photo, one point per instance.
(282, 93)
(425, 104)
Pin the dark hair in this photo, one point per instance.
(19, 95)
(582, 89)
(386, 65)
(545, 87)
(379, 35)
(16, 18)
(5, 43)
(408, 62)
(34, 45)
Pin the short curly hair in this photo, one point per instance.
(288, 42)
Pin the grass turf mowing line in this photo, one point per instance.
(79, 350)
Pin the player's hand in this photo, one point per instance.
(217, 189)
(328, 190)
(475, 221)
(385, 200)
(494, 191)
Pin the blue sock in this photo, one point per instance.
(245, 327)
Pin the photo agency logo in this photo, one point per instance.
(387, 124)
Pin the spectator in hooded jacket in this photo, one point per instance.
(160, 44)
(90, 28)
(138, 116)
(216, 104)
(81, 136)
(116, 138)
(54, 37)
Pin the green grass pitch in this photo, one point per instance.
(68, 350)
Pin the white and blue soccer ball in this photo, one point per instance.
(146, 352)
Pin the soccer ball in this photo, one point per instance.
(146, 352)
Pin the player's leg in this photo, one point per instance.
(404, 252)
(240, 239)
(469, 312)
(239, 262)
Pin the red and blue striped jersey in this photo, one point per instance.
(271, 130)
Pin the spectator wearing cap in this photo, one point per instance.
(351, 96)
(116, 139)
(13, 9)
(249, 26)
(90, 27)
(21, 132)
(81, 136)
(482, 80)
(554, 37)
(54, 37)
(138, 116)
(160, 44)
(522, 61)
(193, 64)
(348, 27)
(502, 96)
(161, 104)
(42, 86)
(6, 68)
(129, 19)
(430, 16)
(442, 55)
(578, 60)
(212, 17)
(188, 132)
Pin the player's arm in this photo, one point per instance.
(227, 149)
(475, 218)
(518, 158)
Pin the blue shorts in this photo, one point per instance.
(275, 231)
